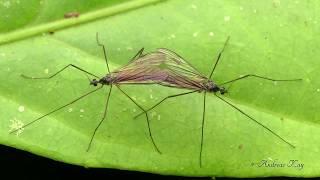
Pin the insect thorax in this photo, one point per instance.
(211, 86)
(106, 80)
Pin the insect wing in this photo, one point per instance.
(163, 67)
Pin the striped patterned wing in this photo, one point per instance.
(181, 73)
(163, 67)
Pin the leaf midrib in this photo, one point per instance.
(84, 18)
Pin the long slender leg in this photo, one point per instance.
(57, 109)
(102, 119)
(104, 51)
(256, 76)
(164, 100)
(70, 65)
(251, 118)
(139, 54)
(218, 58)
(148, 123)
(202, 127)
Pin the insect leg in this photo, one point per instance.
(104, 51)
(139, 54)
(202, 127)
(251, 118)
(164, 100)
(49, 77)
(218, 58)
(256, 76)
(147, 118)
(57, 109)
(102, 119)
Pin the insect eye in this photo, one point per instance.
(223, 90)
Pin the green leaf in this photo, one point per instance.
(277, 39)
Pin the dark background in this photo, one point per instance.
(20, 164)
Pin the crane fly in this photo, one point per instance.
(132, 73)
(171, 70)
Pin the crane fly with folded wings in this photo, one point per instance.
(167, 68)
(129, 74)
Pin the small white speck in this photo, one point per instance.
(81, 110)
(129, 48)
(254, 11)
(172, 36)
(70, 110)
(241, 8)
(276, 2)
(151, 96)
(6, 4)
(226, 18)
(194, 6)
(318, 90)
(153, 114)
(211, 34)
(46, 71)
(81, 115)
(159, 117)
(308, 80)
(21, 108)
(16, 125)
(195, 34)
(134, 110)
(118, 49)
